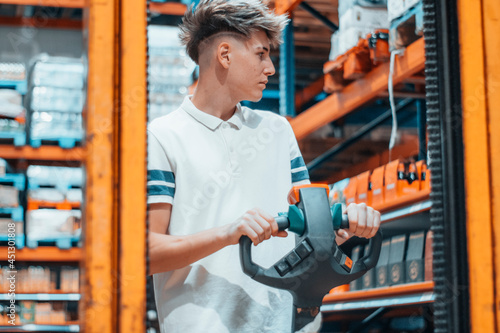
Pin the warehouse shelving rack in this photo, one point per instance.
(346, 306)
(470, 114)
(113, 256)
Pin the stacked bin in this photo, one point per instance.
(56, 99)
(11, 211)
(12, 112)
(54, 200)
(357, 18)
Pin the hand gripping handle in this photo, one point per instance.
(368, 261)
(249, 267)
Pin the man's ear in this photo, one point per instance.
(223, 54)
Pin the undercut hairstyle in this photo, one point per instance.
(239, 18)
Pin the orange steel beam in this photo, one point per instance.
(46, 3)
(46, 153)
(286, 6)
(98, 305)
(491, 26)
(476, 161)
(309, 92)
(40, 24)
(132, 181)
(48, 253)
(168, 8)
(359, 92)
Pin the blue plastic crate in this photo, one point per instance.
(20, 86)
(16, 214)
(17, 180)
(19, 238)
(63, 142)
(62, 242)
(18, 139)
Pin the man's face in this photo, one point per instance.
(250, 67)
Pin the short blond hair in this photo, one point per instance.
(243, 17)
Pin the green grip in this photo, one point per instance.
(296, 218)
(336, 216)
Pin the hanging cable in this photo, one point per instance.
(390, 87)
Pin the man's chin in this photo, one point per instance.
(255, 99)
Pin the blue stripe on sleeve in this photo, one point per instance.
(160, 190)
(297, 162)
(166, 176)
(298, 176)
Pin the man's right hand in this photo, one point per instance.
(256, 224)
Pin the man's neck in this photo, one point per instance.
(214, 101)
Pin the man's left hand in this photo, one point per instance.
(364, 222)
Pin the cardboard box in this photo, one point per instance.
(355, 255)
(378, 191)
(363, 193)
(350, 191)
(415, 262)
(9, 196)
(395, 9)
(4, 226)
(381, 267)
(396, 268)
(334, 49)
(349, 38)
(391, 177)
(428, 275)
(364, 18)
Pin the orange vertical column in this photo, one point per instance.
(477, 167)
(491, 25)
(97, 308)
(132, 184)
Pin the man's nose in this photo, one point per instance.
(269, 70)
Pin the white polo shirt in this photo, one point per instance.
(212, 172)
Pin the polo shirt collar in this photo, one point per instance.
(208, 120)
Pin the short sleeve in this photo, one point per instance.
(300, 175)
(161, 178)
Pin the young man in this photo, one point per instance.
(210, 162)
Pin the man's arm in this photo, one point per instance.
(167, 252)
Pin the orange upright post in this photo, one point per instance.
(471, 19)
(491, 26)
(132, 182)
(97, 308)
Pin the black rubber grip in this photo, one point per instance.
(345, 222)
(283, 222)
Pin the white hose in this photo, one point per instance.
(390, 87)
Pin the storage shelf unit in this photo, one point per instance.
(20, 157)
(396, 214)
